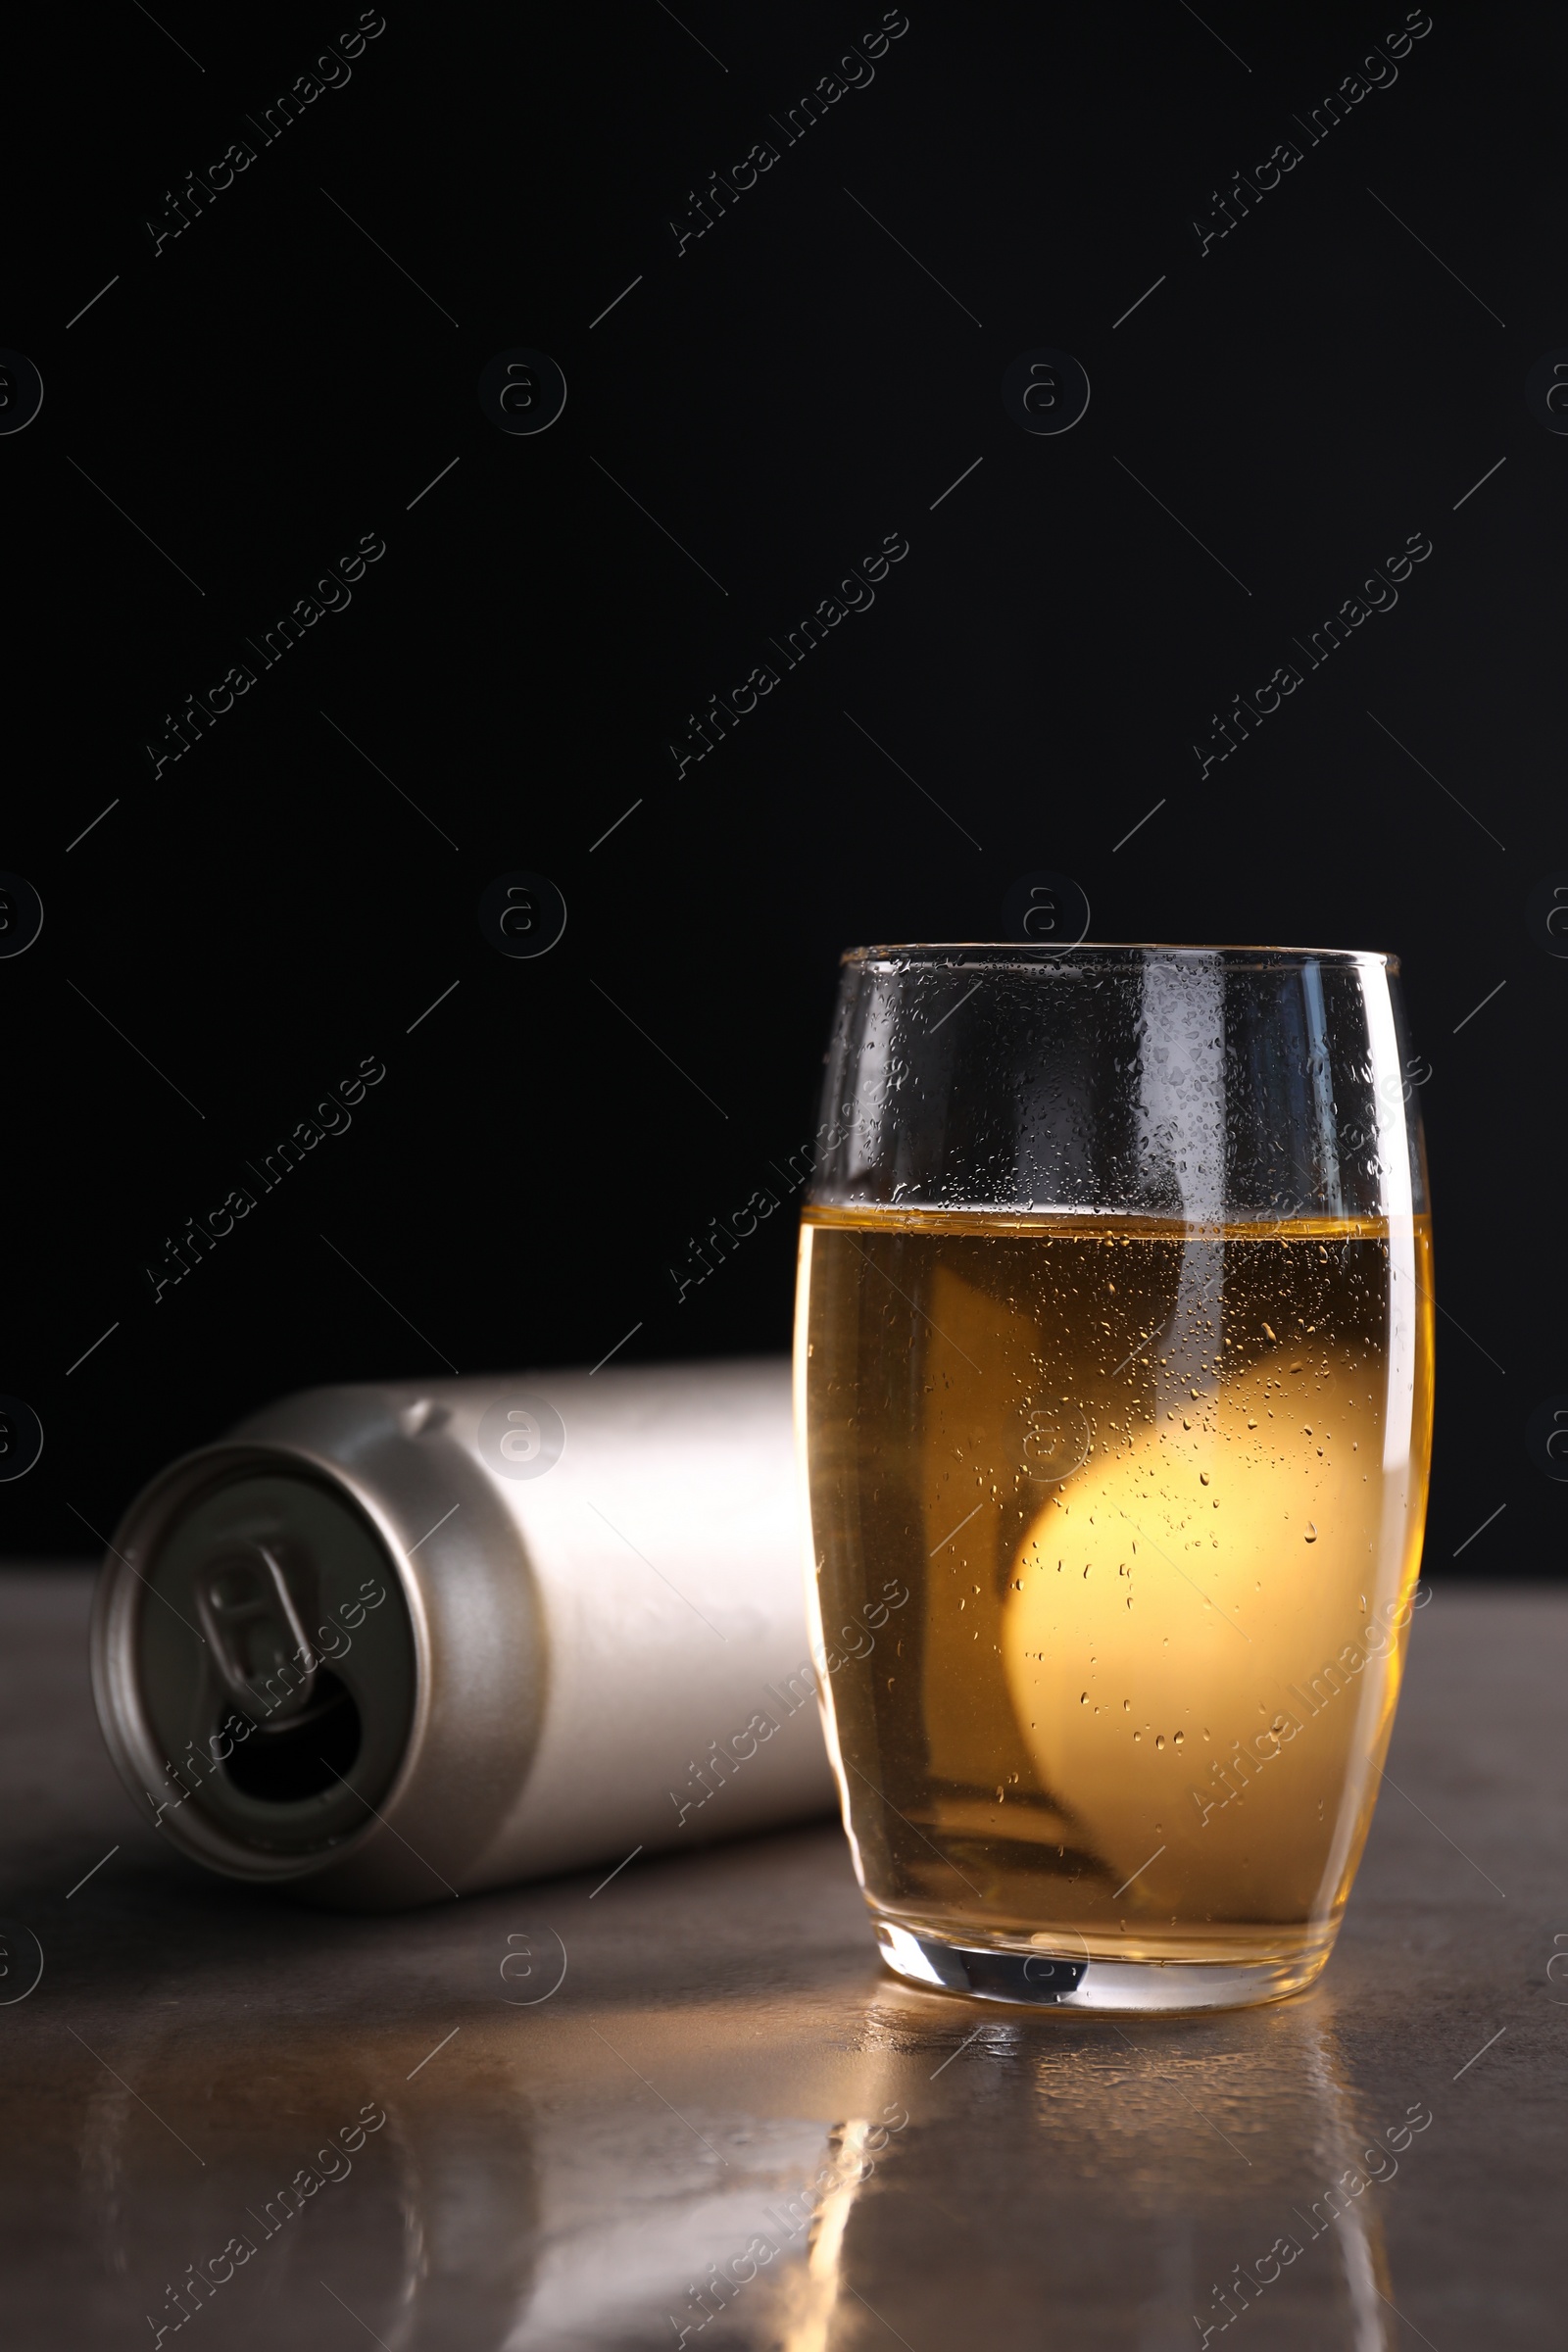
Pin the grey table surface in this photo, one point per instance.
(725, 2125)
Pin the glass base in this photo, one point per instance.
(1041, 1979)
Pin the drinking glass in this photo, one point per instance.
(1113, 1364)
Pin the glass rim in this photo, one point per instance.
(1115, 955)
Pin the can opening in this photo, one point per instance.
(273, 1666)
(303, 1757)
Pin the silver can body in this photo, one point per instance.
(388, 1644)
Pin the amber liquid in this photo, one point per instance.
(1155, 1494)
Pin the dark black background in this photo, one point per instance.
(781, 395)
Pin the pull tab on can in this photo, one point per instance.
(256, 1644)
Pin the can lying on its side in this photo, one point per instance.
(389, 1644)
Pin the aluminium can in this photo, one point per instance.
(387, 1644)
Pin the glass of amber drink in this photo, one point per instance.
(1114, 1358)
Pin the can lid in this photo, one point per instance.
(261, 1668)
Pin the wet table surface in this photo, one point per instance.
(691, 2107)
